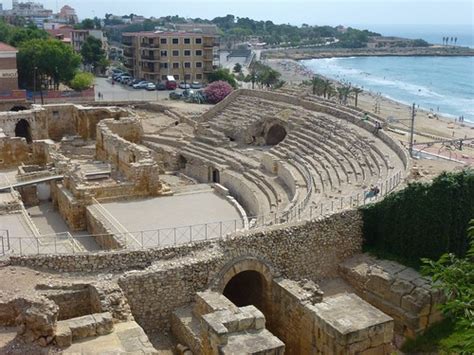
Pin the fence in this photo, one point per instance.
(65, 243)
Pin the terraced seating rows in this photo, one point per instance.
(323, 157)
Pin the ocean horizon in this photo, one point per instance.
(441, 84)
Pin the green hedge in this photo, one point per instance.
(423, 220)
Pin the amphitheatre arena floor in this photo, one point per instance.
(187, 213)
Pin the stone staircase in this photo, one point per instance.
(214, 325)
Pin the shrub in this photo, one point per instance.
(223, 75)
(423, 220)
(217, 91)
(81, 81)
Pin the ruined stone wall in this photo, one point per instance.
(309, 250)
(397, 290)
(14, 151)
(56, 121)
(131, 159)
(71, 209)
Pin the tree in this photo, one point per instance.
(87, 24)
(356, 91)
(223, 75)
(217, 91)
(237, 68)
(92, 53)
(454, 276)
(44, 60)
(343, 93)
(81, 81)
(251, 78)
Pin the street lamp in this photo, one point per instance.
(34, 83)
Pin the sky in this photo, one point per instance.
(312, 12)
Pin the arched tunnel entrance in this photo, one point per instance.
(246, 288)
(23, 129)
(275, 134)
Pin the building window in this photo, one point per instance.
(187, 65)
(164, 53)
(198, 53)
(175, 65)
(187, 41)
(198, 76)
(175, 40)
(164, 77)
(187, 52)
(175, 53)
(176, 77)
(164, 65)
(198, 40)
(187, 77)
(163, 40)
(198, 64)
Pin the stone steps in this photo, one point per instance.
(91, 325)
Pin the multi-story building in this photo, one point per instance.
(78, 37)
(68, 15)
(8, 68)
(153, 56)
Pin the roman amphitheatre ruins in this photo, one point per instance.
(148, 229)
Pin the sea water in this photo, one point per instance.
(443, 84)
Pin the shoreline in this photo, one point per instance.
(294, 72)
(427, 126)
(324, 53)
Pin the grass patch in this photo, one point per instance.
(445, 337)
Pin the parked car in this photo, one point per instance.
(183, 85)
(123, 79)
(133, 82)
(117, 76)
(150, 87)
(171, 83)
(176, 95)
(140, 85)
(196, 85)
(160, 86)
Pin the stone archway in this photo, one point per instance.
(275, 134)
(23, 129)
(248, 281)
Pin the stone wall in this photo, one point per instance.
(132, 160)
(56, 121)
(397, 290)
(309, 250)
(14, 151)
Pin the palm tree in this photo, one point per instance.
(356, 91)
(444, 39)
(343, 93)
(326, 86)
(316, 84)
(452, 40)
(455, 40)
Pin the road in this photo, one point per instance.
(119, 92)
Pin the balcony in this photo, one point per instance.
(208, 69)
(128, 54)
(149, 70)
(150, 45)
(211, 43)
(150, 58)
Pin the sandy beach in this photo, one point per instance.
(429, 125)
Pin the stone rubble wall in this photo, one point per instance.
(14, 151)
(133, 160)
(397, 290)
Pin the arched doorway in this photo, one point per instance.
(18, 108)
(247, 288)
(23, 129)
(216, 177)
(275, 134)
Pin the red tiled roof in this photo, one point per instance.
(7, 48)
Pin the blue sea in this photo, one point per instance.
(446, 83)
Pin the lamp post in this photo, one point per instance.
(34, 83)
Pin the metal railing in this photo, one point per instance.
(173, 236)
